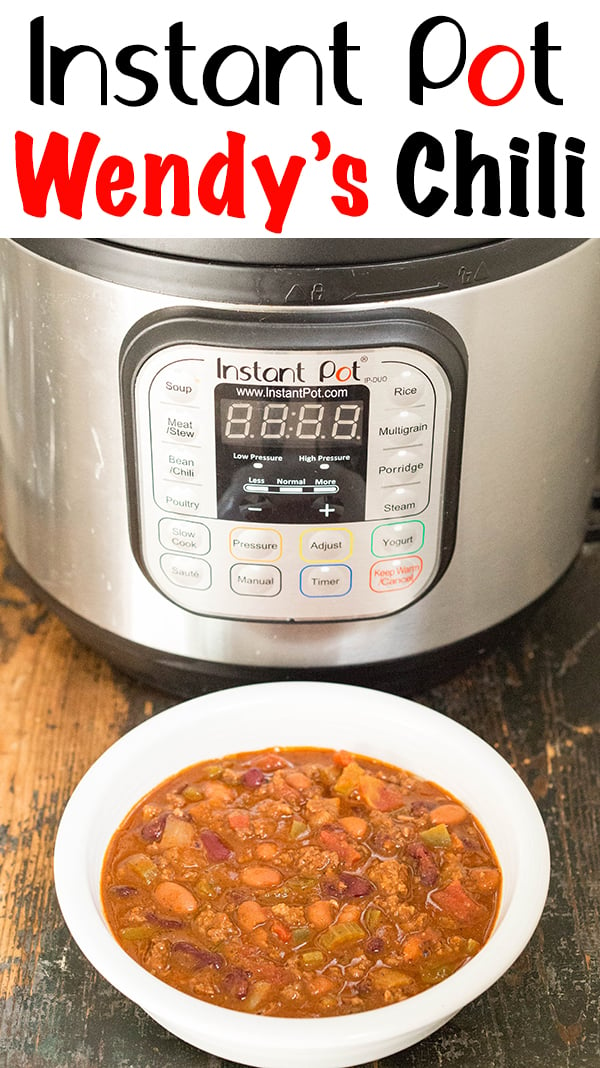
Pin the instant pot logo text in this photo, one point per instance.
(329, 371)
(435, 173)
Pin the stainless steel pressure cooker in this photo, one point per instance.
(295, 454)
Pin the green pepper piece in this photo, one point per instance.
(436, 836)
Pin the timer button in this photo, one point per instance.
(331, 580)
(408, 386)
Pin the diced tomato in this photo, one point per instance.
(379, 794)
(337, 841)
(271, 762)
(342, 758)
(282, 932)
(239, 819)
(455, 900)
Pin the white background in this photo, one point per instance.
(374, 131)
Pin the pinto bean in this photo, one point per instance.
(175, 897)
(320, 914)
(261, 877)
(250, 915)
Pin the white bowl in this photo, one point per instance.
(303, 714)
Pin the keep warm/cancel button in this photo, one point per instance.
(388, 576)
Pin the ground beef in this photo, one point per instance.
(214, 926)
(392, 878)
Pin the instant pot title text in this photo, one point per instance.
(431, 172)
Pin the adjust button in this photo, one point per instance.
(397, 539)
(393, 575)
(330, 543)
(255, 580)
(255, 543)
(186, 571)
(331, 580)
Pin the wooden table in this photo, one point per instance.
(534, 696)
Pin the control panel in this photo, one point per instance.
(290, 484)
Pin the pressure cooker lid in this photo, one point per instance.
(298, 251)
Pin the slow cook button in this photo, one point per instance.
(179, 383)
(329, 543)
(408, 386)
(331, 580)
(186, 571)
(255, 543)
(398, 539)
(255, 580)
(393, 575)
(172, 463)
(184, 536)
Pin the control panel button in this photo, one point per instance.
(177, 425)
(404, 428)
(332, 580)
(186, 500)
(401, 466)
(400, 501)
(398, 539)
(328, 543)
(172, 463)
(255, 580)
(186, 571)
(393, 575)
(255, 543)
(178, 383)
(407, 386)
(184, 536)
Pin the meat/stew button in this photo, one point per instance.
(388, 576)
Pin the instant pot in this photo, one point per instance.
(295, 454)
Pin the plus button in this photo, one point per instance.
(327, 510)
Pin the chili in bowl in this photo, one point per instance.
(342, 905)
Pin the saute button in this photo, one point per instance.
(328, 543)
(255, 580)
(331, 580)
(255, 543)
(393, 575)
(408, 386)
(178, 383)
(184, 536)
(398, 539)
(186, 571)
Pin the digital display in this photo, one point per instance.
(291, 423)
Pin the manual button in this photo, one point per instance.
(255, 580)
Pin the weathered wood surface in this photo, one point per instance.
(535, 696)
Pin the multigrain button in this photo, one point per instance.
(255, 580)
(184, 536)
(179, 383)
(186, 571)
(331, 580)
(389, 576)
(403, 428)
(255, 543)
(408, 386)
(329, 543)
(397, 539)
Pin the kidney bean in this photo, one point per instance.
(153, 830)
(215, 847)
(374, 944)
(253, 777)
(162, 921)
(201, 958)
(123, 891)
(426, 865)
(346, 885)
(236, 982)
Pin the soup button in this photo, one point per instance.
(389, 576)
